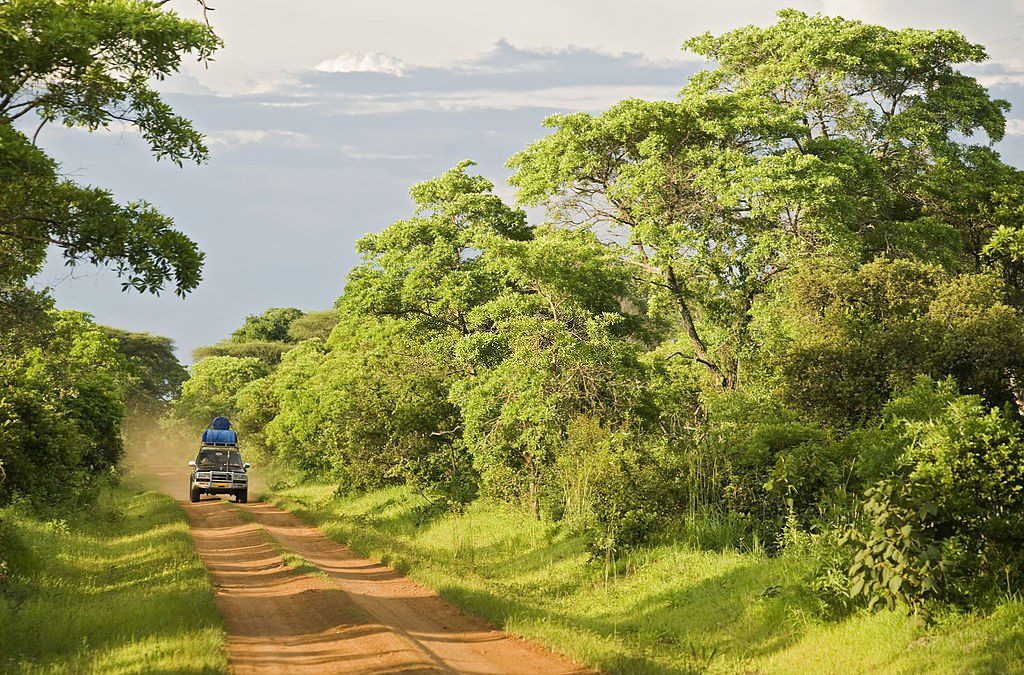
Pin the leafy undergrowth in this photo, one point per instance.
(114, 588)
(667, 609)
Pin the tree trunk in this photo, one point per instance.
(726, 380)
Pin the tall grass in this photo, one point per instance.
(114, 588)
(677, 607)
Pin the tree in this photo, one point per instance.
(263, 336)
(157, 371)
(840, 342)
(213, 387)
(428, 269)
(313, 324)
(90, 64)
(270, 326)
(632, 173)
(552, 346)
(813, 137)
(269, 352)
(63, 404)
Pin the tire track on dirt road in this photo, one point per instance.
(279, 620)
(361, 617)
(462, 642)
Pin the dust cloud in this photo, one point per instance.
(157, 453)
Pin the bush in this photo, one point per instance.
(896, 556)
(949, 523)
(781, 467)
(618, 488)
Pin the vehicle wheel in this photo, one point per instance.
(242, 497)
(193, 494)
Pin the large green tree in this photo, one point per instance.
(213, 387)
(92, 64)
(158, 374)
(815, 136)
(265, 336)
(62, 403)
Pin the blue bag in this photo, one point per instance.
(220, 437)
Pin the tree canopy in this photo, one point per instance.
(89, 64)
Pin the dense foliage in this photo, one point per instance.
(786, 307)
(67, 384)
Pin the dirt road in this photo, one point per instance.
(355, 616)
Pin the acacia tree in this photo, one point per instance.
(815, 136)
(157, 372)
(91, 64)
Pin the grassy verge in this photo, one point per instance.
(669, 609)
(116, 588)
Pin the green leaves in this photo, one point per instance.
(213, 387)
(62, 396)
(90, 64)
(840, 340)
(949, 516)
(432, 268)
(895, 561)
(843, 77)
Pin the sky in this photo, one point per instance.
(320, 114)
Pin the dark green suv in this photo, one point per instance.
(219, 471)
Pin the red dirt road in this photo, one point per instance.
(359, 616)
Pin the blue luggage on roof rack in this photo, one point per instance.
(220, 433)
(220, 437)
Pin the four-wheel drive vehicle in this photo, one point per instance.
(219, 471)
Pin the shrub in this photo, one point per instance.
(896, 557)
(781, 466)
(617, 487)
(949, 523)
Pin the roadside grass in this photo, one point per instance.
(671, 608)
(114, 588)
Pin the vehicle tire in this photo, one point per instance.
(242, 496)
(193, 494)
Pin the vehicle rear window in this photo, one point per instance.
(219, 459)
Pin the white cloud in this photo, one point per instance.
(352, 152)
(1015, 127)
(364, 62)
(585, 98)
(233, 138)
(287, 104)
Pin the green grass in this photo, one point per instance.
(115, 588)
(668, 609)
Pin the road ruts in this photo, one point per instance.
(359, 616)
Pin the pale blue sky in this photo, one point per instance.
(320, 114)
